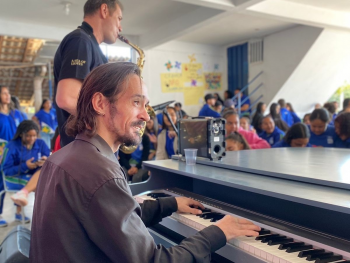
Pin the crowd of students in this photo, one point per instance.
(281, 126)
(22, 153)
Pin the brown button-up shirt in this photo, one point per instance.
(84, 212)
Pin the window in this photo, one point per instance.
(115, 53)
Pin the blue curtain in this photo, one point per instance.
(237, 58)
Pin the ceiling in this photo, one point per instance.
(18, 52)
(234, 28)
(139, 16)
(336, 5)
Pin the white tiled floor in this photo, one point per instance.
(9, 214)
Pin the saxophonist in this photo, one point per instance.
(84, 210)
(79, 53)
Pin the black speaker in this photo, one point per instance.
(205, 134)
(15, 247)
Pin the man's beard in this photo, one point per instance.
(126, 139)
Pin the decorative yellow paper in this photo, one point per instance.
(171, 82)
(213, 80)
(193, 96)
(192, 81)
(192, 75)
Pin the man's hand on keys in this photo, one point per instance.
(235, 227)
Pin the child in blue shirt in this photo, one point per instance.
(270, 133)
(285, 114)
(342, 129)
(297, 136)
(152, 134)
(167, 139)
(10, 118)
(47, 121)
(24, 156)
(207, 110)
(295, 117)
(245, 102)
(321, 134)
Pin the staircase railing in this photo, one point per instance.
(238, 96)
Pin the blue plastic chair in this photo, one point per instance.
(6, 190)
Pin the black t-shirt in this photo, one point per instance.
(77, 55)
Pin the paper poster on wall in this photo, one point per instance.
(171, 82)
(213, 81)
(192, 75)
(193, 96)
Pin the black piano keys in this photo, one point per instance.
(157, 195)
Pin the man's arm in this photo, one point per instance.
(77, 61)
(113, 223)
(154, 211)
(67, 94)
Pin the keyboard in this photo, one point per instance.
(278, 241)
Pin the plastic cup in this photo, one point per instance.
(191, 156)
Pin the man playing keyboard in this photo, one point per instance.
(84, 210)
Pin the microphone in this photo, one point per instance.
(162, 106)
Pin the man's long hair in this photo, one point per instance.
(110, 80)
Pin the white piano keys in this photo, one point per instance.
(254, 247)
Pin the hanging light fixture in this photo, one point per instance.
(66, 7)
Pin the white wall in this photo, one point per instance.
(304, 65)
(283, 52)
(179, 51)
(324, 68)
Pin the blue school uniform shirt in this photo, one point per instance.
(160, 118)
(169, 145)
(274, 137)
(152, 145)
(47, 121)
(295, 117)
(339, 143)
(244, 103)
(283, 143)
(287, 116)
(54, 115)
(206, 111)
(17, 155)
(325, 139)
(137, 154)
(9, 124)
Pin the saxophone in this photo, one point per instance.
(150, 111)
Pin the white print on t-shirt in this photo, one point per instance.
(329, 140)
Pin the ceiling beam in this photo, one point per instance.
(10, 39)
(176, 28)
(18, 82)
(1, 39)
(243, 4)
(13, 47)
(216, 4)
(301, 14)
